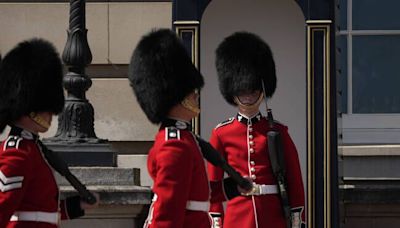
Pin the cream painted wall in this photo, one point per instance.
(281, 24)
(118, 116)
(113, 28)
(113, 31)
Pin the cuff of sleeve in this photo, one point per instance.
(297, 217)
(74, 209)
(216, 219)
(230, 188)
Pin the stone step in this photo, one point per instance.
(116, 194)
(103, 176)
(78, 153)
(136, 161)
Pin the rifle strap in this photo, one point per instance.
(60, 166)
(276, 155)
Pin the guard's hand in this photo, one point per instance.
(244, 191)
(85, 205)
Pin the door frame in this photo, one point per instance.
(322, 161)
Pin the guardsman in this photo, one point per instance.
(30, 93)
(244, 61)
(166, 85)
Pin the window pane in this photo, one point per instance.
(342, 14)
(376, 74)
(341, 44)
(376, 14)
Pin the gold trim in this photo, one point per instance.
(310, 135)
(195, 43)
(328, 126)
(186, 23)
(193, 28)
(319, 21)
(318, 26)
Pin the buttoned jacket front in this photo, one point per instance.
(244, 144)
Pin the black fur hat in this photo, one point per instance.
(161, 73)
(243, 60)
(30, 81)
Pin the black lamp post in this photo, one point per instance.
(75, 139)
(76, 123)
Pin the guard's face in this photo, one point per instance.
(249, 97)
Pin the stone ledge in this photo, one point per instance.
(369, 150)
(119, 206)
(116, 186)
(103, 176)
(123, 203)
(370, 192)
(115, 195)
(138, 161)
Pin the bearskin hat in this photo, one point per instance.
(243, 62)
(161, 73)
(30, 81)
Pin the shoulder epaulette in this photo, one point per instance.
(172, 133)
(12, 142)
(228, 121)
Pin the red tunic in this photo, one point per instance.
(243, 143)
(27, 183)
(178, 170)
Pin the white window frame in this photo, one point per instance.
(365, 128)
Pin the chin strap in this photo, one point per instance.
(249, 106)
(188, 105)
(39, 120)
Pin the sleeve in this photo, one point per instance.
(172, 184)
(216, 176)
(14, 169)
(71, 208)
(294, 179)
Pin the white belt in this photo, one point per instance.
(198, 205)
(262, 189)
(193, 205)
(36, 216)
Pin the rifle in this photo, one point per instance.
(62, 168)
(215, 158)
(277, 161)
(276, 155)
